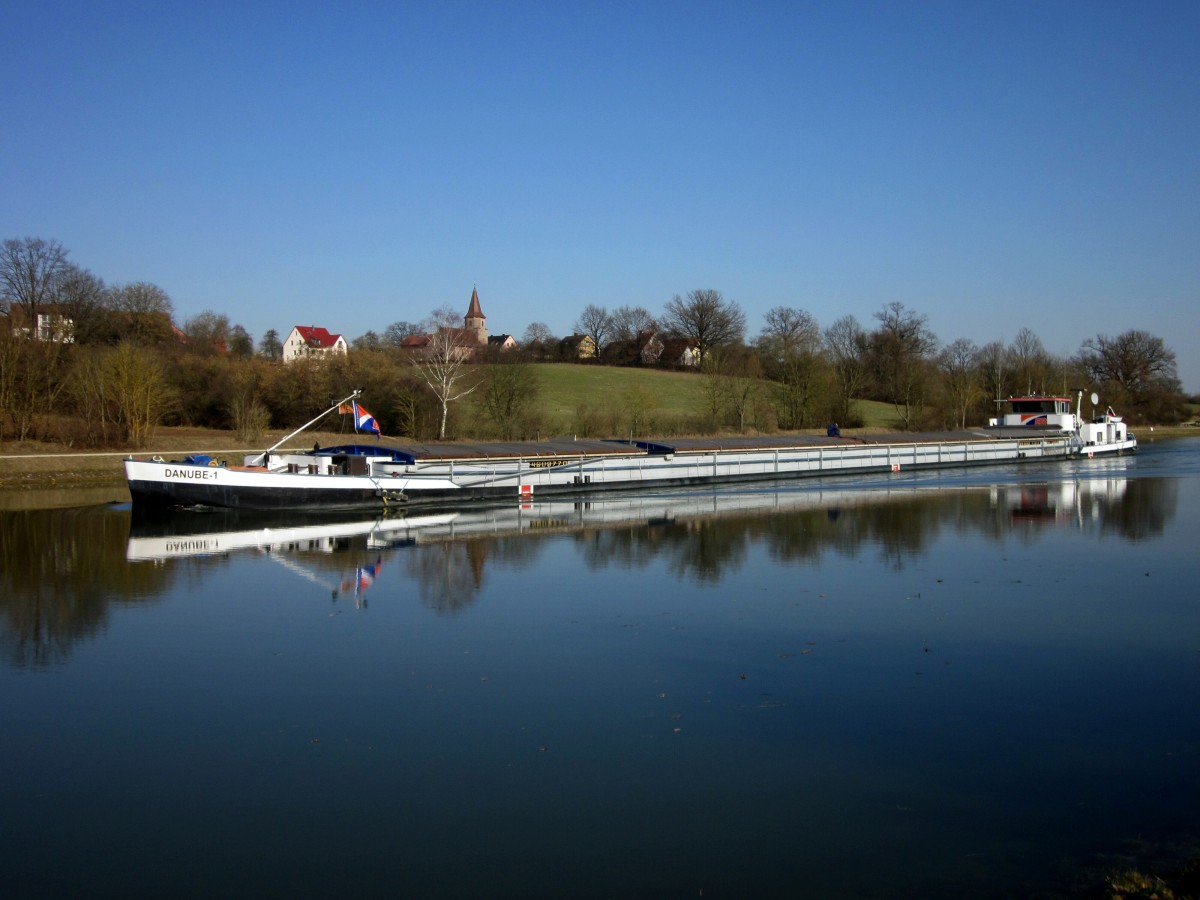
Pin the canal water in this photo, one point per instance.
(967, 683)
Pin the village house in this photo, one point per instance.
(309, 341)
(578, 346)
(51, 325)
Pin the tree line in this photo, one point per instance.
(126, 367)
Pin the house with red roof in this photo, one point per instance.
(308, 341)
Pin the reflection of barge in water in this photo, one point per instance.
(1061, 502)
(193, 533)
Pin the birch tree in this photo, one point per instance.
(444, 362)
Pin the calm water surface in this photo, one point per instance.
(972, 683)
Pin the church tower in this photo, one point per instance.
(475, 322)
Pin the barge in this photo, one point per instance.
(381, 476)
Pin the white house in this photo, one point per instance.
(307, 341)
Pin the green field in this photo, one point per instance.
(670, 402)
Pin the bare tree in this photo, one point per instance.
(846, 344)
(395, 333)
(634, 326)
(787, 331)
(706, 318)
(368, 341)
(992, 360)
(789, 345)
(146, 310)
(85, 302)
(136, 384)
(30, 380)
(742, 372)
(1030, 361)
(1136, 370)
(510, 390)
(207, 332)
(958, 364)
(539, 342)
(899, 353)
(30, 270)
(1135, 360)
(538, 332)
(597, 323)
(443, 364)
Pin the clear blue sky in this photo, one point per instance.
(990, 165)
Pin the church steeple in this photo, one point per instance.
(475, 321)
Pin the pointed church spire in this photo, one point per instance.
(474, 321)
(474, 311)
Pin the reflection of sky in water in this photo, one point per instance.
(954, 701)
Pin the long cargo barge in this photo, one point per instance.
(380, 476)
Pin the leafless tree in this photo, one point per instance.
(597, 323)
(630, 321)
(207, 332)
(509, 392)
(789, 346)
(136, 384)
(146, 310)
(846, 344)
(900, 350)
(1135, 360)
(84, 301)
(992, 360)
(1030, 361)
(788, 331)
(538, 332)
(444, 363)
(706, 318)
(1136, 371)
(395, 333)
(958, 364)
(30, 380)
(30, 270)
(368, 341)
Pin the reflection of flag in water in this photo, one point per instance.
(366, 576)
(364, 421)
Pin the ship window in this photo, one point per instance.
(1032, 406)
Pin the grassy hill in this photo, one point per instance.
(603, 400)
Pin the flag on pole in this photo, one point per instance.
(364, 421)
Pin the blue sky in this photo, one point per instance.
(992, 166)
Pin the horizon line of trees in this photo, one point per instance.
(125, 367)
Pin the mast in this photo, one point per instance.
(262, 460)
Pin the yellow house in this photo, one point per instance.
(578, 346)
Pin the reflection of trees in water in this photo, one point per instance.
(1144, 509)
(449, 575)
(59, 571)
(695, 548)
